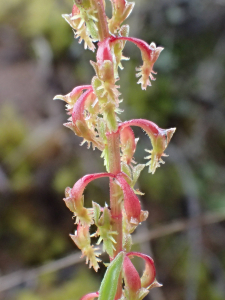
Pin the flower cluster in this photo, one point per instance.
(93, 115)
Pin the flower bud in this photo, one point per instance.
(131, 278)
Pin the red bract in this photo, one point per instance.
(104, 52)
(131, 202)
(80, 185)
(78, 109)
(91, 296)
(131, 278)
(149, 274)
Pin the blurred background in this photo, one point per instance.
(185, 231)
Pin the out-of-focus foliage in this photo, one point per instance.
(71, 289)
(39, 158)
(33, 18)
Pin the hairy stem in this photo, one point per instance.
(102, 24)
(115, 191)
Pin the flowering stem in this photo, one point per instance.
(115, 204)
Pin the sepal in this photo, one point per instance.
(83, 241)
(104, 231)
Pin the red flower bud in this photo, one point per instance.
(131, 278)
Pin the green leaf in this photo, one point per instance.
(110, 281)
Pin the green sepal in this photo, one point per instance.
(105, 232)
(126, 169)
(109, 284)
(136, 173)
(97, 211)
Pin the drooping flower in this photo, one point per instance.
(79, 124)
(149, 53)
(159, 137)
(75, 200)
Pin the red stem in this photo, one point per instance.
(115, 205)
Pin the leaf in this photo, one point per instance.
(110, 281)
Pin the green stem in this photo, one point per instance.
(102, 24)
(115, 191)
